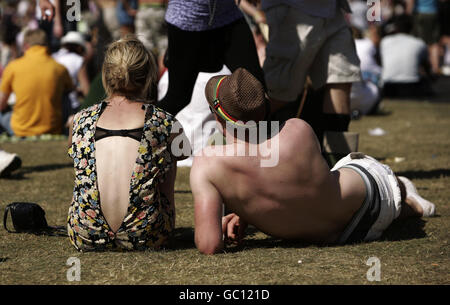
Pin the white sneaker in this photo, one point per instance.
(8, 163)
(445, 70)
(429, 209)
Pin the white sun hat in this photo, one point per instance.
(74, 38)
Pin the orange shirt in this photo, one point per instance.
(39, 83)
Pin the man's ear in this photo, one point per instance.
(220, 123)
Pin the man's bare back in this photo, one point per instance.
(298, 198)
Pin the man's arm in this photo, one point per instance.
(67, 82)
(130, 11)
(5, 87)
(3, 101)
(58, 29)
(410, 4)
(252, 10)
(207, 209)
(45, 5)
(83, 79)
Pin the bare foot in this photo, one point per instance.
(418, 205)
(415, 208)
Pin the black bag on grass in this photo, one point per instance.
(29, 217)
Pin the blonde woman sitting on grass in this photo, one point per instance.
(124, 169)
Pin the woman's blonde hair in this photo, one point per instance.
(129, 69)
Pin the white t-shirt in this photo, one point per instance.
(366, 52)
(73, 63)
(401, 57)
(197, 120)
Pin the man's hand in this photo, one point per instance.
(45, 5)
(233, 228)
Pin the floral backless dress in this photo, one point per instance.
(150, 218)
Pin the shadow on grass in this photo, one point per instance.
(421, 174)
(182, 238)
(268, 243)
(405, 229)
(20, 174)
(380, 113)
(3, 259)
(182, 192)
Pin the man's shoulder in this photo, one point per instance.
(13, 64)
(209, 159)
(204, 156)
(201, 171)
(293, 128)
(296, 137)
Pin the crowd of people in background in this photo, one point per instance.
(413, 34)
(402, 48)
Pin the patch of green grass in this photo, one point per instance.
(414, 251)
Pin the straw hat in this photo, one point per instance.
(237, 97)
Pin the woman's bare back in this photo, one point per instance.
(115, 158)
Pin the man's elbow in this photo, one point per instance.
(209, 247)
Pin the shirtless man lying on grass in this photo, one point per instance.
(296, 198)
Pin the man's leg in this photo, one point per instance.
(241, 51)
(335, 68)
(336, 108)
(183, 51)
(333, 130)
(337, 99)
(5, 123)
(295, 39)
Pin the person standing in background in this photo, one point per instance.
(311, 39)
(151, 27)
(427, 28)
(126, 13)
(204, 35)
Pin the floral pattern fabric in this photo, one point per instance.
(149, 219)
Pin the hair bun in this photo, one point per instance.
(119, 77)
(130, 70)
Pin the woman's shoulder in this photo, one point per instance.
(88, 112)
(160, 114)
